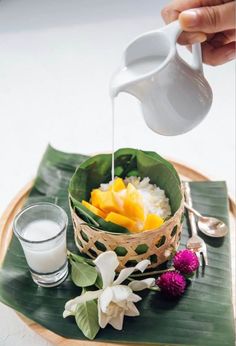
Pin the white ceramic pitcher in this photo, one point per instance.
(174, 96)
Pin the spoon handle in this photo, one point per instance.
(194, 211)
(188, 199)
(187, 194)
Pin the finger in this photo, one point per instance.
(222, 38)
(231, 35)
(192, 37)
(209, 19)
(183, 5)
(171, 12)
(218, 56)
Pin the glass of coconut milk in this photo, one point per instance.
(41, 230)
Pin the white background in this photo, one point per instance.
(56, 59)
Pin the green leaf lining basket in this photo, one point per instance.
(93, 235)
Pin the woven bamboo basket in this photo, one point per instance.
(156, 245)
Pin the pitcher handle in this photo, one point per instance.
(197, 56)
(173, 30)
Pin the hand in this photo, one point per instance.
(211, 22)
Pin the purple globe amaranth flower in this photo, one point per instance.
(172, 284)
(186, 262)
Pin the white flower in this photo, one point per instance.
(114, 300)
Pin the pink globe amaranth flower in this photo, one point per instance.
(172, 284)
(186, 262)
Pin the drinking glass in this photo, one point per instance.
(41, 230)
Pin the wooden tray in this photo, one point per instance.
(17, 203)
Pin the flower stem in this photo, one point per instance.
(152, 273)
(152, 288)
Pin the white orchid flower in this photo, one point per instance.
(114, 300)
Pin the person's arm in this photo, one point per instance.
(211, 22)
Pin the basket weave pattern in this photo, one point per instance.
(155, 245)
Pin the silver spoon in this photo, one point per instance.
(209, 225)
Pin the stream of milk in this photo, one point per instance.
(127, 74)
(113, 139)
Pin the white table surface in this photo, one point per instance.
(56, 58)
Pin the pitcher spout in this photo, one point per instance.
(144, 57)
(122, 82)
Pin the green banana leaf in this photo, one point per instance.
(49, 180)
(203, 316)
(97, 169)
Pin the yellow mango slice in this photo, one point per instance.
(95, 198)
(117, 185)
(121, 220)
(110, 201)
(93, 209)
(133, 206)
(153, 221)
(131, 189)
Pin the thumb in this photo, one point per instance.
(209, 19)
